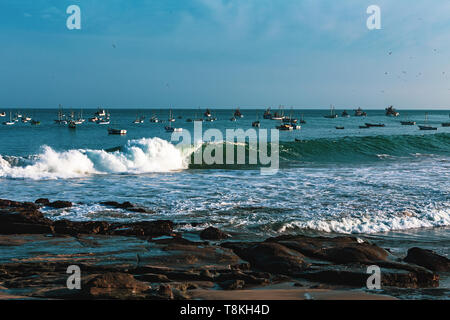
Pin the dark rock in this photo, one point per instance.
(232, 284)
(212, 233)
(59, 204)
(165, 291)
(42, 201)
(114, 284)
(428, 259)
(337, 249)
(270, 257)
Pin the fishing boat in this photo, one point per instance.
(93, 119)
(61, 116)
(117, 131)
(285, 127)
(103, 121)
(80, 119)
(426, 127)
(35, 122)
(188, 120)
(257, 123)
(278, 115)
(233, 119)
(340, 128)
(154, 119)
(290, 119)
(296, 126)
(2, 114)
(171, 118)
(72, 124)
(207, 113)
(100, 112)
(267, 114)
(375, 125)
(391, 112)
(238, 114)
(139, 119)
(360, 113)
(10, 122)
(169, 128)
(446, 124)
(301, 119)
(345, 114)
(332, 115)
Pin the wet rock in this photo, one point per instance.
(428, 259)
(212, 233)
(59, 204)
(356, 276)
(42, 201)
(337, 249)
(232, 284)
(114, 284)
(270, 257)
(165, 292)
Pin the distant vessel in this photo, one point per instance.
(100, 112)
(390, 111)
(345, 114)
(72, 125)
(103, 121)
(364, 127)
(154, 119)
(267, 114)
(2, 114)
(446, 124)
(61, 116)
(207, 113)
(139, 119)
(117, 131)
(238, 114)
(375, 125)
(278, 115)
(35, 122)
(301, 119)
(171, 118)
(340, 128)
(257, 123)
(360, 113)
(427, 127)
(332, 114)
(290, 119)
(10, 122)
(285, 127)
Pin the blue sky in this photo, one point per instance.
(225, 53)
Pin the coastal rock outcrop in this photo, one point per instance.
(212, 233)
(428, 259)
(114, 284)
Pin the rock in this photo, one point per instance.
(212, 233)
(165, 291)
(355, 276)
(60, 204)
(232, 284)
(118, 205)
(428, 259)
(114, 284)
(337, 249)
(270, 257)
(42, 201)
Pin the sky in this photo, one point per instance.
(225, 53)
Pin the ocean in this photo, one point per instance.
(390, 184)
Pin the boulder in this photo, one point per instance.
(428, 259)
(212, 233)
(59, 204)
(270, 257)
(114, 284)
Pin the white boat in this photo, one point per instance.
(10, 122)
(100, 112)
(2, 114)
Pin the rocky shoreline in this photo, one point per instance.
(149, 260)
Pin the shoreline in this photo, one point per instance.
(149, 260)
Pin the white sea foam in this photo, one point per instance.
(137, 156)
(377, 223)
